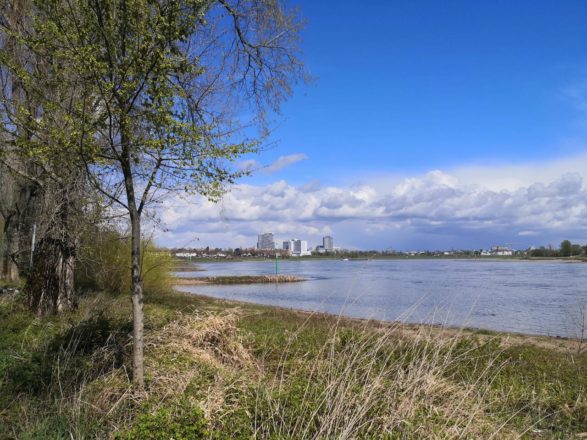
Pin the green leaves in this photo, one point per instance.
(137, 87)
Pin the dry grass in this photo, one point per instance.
(326, 379)
(190, 340)
(202, 333)
(176, 354)
(361, 384)
(367, 386)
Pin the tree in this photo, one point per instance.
(158, 85)
(45, 189)
(13, 202)
(566, 248)
(15, 192)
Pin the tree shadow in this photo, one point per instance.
(69, 360)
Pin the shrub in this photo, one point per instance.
(105, 265)
(179, 422)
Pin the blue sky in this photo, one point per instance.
(452, 94)
(409, 86)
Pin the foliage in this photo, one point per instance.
(566, 248)
(128, 92)
(151, 88)
(104, 264)
(545, 252)
(179, 422)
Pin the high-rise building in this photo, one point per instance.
(297, 248)
(328, 243)
(265, 241)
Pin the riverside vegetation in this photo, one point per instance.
(219, 369)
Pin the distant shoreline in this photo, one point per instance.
(192, 267)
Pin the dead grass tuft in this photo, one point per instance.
(210, 336)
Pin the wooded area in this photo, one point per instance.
(109, 105)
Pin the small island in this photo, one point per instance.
(240, 279)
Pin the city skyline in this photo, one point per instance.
(295, 246)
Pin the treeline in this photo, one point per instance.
(108, 106)
(566, 249)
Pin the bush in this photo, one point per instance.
(179, 422)
(105, 265)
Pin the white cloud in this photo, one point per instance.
(277, 165)
(511, 176)
(249, 165)
(283, 162)
(527, 233)
(468, 207)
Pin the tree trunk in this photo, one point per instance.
(9, 267)
(50, 285)
(137, 301)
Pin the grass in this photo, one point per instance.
(219, 369)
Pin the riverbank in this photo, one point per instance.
(222, 369)
(573, 346)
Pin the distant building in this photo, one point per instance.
(288, 245)
(320, 249)
(502, 251)
(328, 243)
(296, 248)
(186, 254)
(265, 241)
(300, 248)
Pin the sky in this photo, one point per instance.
(429, 125)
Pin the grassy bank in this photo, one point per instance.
(218, 369)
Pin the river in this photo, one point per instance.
(532, 297)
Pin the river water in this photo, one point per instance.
(543, 298)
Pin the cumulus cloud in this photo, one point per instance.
(416, 212)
